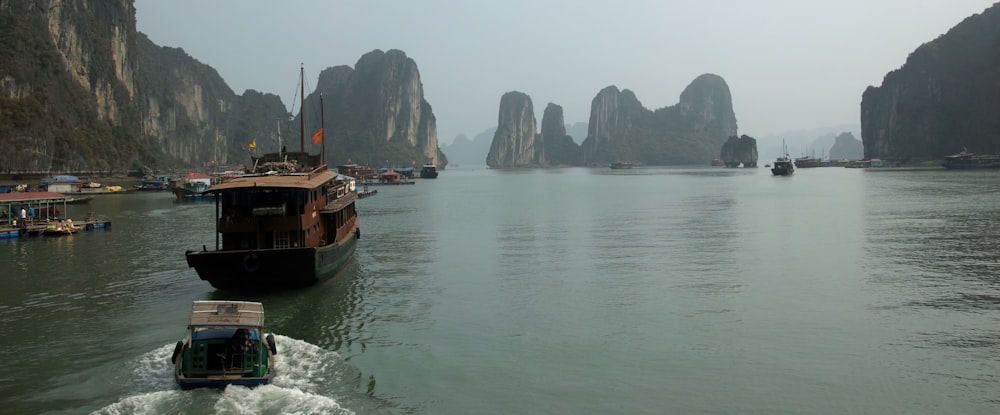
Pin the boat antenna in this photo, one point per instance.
(278, 121)
(302, 103)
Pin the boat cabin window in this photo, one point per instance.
(282, 240)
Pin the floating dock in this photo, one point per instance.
(43, 215)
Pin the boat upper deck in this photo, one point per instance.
(227, 313)
(310, 180)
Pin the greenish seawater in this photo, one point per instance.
(567, 291)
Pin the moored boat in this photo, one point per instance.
(356, 171)
(428, 171)
(155, 183)
(965, 160)
(225, 345)
(807, 162)
(193, 186)
(60, 228)
(621, 165)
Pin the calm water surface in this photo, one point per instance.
(569, 291)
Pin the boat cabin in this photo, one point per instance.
(274, 212)
(225, 344)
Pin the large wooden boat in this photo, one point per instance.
(966, 160)
(287, 229)
(225, 345)
(291, 223)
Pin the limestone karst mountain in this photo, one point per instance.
(83, 91)
(620, 129)
(942, 100)
(514, 143)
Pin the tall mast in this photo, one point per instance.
(302, 112)
(322, 125)
(278, 121)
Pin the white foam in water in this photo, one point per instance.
(163, 402)
(272, 399)
(302, 372)
(153, 370)
(304, 366)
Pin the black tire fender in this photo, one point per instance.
(177, 352)
(251, 263)
(357, 233)
(270, 344)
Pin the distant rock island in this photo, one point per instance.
(620, 129)
(846, 147)
(739, 151)
(942, 100)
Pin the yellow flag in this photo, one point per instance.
(253, 143)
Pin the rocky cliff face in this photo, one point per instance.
(377, 112)
(82, 91)
(943, 99)
(559, 148)
(707, 105)
(67, 78)
(514, 143)
(691, 132)
(739, 150)
(615, 117)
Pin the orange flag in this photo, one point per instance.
(318, 136)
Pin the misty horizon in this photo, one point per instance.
(788, 66)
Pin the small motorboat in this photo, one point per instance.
(60, 228)
(225, 345)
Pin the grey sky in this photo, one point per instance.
(789, 64)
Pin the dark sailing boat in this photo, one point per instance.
(288, 223)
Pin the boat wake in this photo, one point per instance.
(306, 379)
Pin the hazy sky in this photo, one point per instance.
(794, 64)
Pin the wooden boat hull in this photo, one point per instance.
(262, 269)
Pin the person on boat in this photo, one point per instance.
(241, 341)
(24, 214)
(31, 213)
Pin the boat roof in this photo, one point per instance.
(339, 203)
(293, 180)
(216, 313)
(31, 197)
